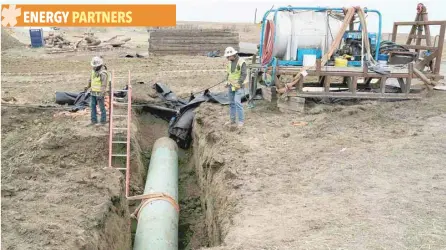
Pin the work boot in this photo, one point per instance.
(231, 123)
(92, 124)
(251, 105)
(240, 124)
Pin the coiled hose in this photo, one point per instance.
(268, 43)
(389, 46)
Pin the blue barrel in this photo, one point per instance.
(383, 57)
(36, 36)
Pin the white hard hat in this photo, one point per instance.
(230, 51)
(96, 61)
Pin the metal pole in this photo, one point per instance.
(129, 121)
(255, 16)
(158, 220)
(378, 41)
(362, 48)
(110, 119)
(326, 34)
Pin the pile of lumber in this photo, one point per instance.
(191, 41)
(57, 41)
(117, 42)
(88, 41)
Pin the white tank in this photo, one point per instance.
(283, 33)
(310, 30)
(305, 29)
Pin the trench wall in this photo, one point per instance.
(217, 200)
(57, 191)
(204, 193)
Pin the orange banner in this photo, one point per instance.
(41, 15)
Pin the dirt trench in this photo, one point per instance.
(54, 166)
(200, 195)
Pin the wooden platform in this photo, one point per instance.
(352, 77)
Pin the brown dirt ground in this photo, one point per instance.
(30, 76)
(368, 176)
(55, 192)
(364, 176)
(9, 41)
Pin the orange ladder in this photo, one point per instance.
(126, 118)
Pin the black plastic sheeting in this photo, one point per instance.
(179, 112)
(79, 100)
(68, 98)
(180, 125)
(170, 99)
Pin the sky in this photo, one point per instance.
(243, 10)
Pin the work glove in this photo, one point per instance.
(85, 89)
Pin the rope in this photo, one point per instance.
(268, 42)
(210, 87)
(37, 106)
(148, 198)
(365, 37)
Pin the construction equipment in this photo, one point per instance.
(292, 33)
(352, 46)
(119, 130)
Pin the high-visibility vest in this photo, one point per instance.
(233, 77)
(96, 83)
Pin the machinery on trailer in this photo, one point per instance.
(352, 47)
(319, 46)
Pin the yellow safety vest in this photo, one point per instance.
(96, 83)
(233, 77)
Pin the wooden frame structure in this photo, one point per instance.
(351, 77)
(434, 59)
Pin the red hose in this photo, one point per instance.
(268, 42)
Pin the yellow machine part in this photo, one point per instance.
(340, 62)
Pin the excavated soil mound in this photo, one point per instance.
(55, 191)
(9, 42)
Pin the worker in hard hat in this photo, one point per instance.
(98, 84)
(236, 81)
